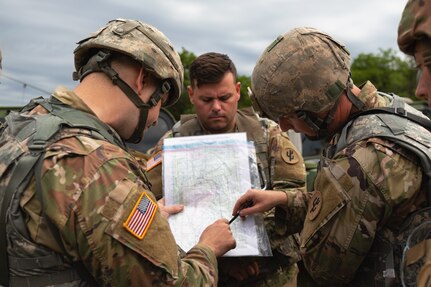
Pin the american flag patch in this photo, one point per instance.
(154, 161)
(141, 216)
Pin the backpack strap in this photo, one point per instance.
(22, 171)
(397, 110)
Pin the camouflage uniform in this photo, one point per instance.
(88, 189)
(282, 165)
(362, 195)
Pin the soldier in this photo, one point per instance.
(414, 39)
(370, 190)
(83, 214)
(214, 93)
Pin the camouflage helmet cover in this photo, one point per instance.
(415, 24)
(142, 42)
(302, 70)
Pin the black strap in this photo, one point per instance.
(60, 277)
(21, 171)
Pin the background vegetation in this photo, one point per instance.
(387, 70)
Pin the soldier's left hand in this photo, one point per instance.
(169, 210)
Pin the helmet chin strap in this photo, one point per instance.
(320, 126)
(100, 63)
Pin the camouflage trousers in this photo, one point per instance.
(273, 273)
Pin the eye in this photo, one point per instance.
(225, 98)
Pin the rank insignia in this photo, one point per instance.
(154, 161)
(141, 216)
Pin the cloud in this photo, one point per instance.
(37, 38)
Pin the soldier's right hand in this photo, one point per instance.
(218, 237)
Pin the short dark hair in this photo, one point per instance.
(209, 68)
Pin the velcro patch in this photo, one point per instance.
(315, 205)
(154, 161)
(141, 216)
(289, 155)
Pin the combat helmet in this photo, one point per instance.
(142, 42)
(302, 71)
(415, 24)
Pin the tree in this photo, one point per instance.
(387, 71)
(183, 106)
(245, 100)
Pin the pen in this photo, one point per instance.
(246, 204)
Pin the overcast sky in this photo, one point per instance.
(37, 37)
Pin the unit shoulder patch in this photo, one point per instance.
(315, 205)
(289, 155)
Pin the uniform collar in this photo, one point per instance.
(70, 98)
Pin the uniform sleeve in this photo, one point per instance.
(154, 171)
(287, 173)
(287, 169)
(109, 221)
(354, 195)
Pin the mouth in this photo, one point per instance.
(216, 117)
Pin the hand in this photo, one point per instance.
(239, 268)
(166, 211)
(263, 200)
(218, 237)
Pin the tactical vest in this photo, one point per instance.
(398, 255)
(23, 139)
(246, 121)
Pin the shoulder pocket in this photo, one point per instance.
(327, 202)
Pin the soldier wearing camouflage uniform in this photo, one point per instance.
(414, 38)
(83, 214)
(369, 184)
(214, 93)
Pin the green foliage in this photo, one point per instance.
(244, 101)
(183, 106)
(387, 71)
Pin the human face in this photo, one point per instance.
(423, 88)
(292, 122)
(216, 104)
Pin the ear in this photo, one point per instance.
(140, 79)
(190, 92)
(238, 90)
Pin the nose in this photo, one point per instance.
(216, 106)
(423, 88)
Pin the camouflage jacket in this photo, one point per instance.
(279, 163)
(361, 196)
(93, 192)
